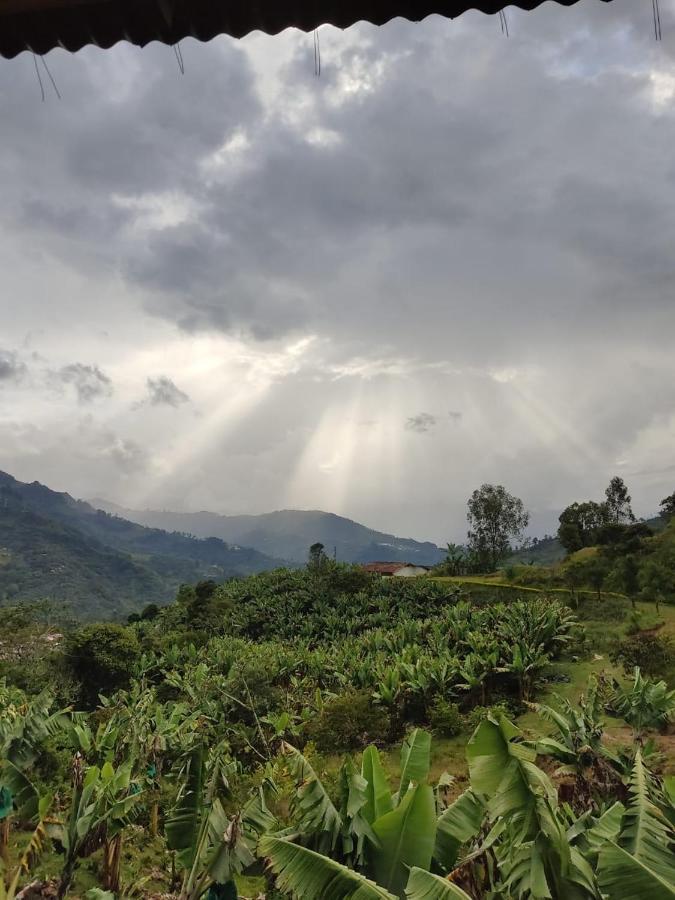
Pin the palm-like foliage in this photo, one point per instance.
(641, 863)
(643, 703)
(102, 803)
(211, 847)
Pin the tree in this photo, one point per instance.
(574, 576)
(102, 659)
(317, 557)
(657, 579)
(617, 502)
(596, 572)
(580, 524)
(629, 573)
(668, 507)
(495, 518)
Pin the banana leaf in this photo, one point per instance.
(406, 838)
(182, 826)
(312, 876)
(378, 795)
(415, 760)
(460, 822)
(623, 877)
(426, 886)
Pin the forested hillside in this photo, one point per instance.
(52, 546)
(288, 533)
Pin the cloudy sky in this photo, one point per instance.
(448, 260)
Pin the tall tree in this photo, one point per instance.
(580, 524)
(495, 519)
(317, 558)
(617, 502)
(668, 507)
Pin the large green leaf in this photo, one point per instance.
(503, 768)
(623, 877)
(378, 795)
(21, 789)
(313, 807)
(460, 822)
(646, 834)
(415, 760)
(355, 828)
(227, 852)
(425, 886)
(183, 825)
(308, 875)
(406, 838)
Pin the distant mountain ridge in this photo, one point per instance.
(53, 546)
(289, 534)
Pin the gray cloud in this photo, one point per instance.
(89, 382)
(11, 367)
(456, 218)
(421, 423)
(129, 456)
(163, 392)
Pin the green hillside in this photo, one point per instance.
(55, 547)
(288, 533)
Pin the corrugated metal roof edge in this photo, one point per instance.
(69, 29)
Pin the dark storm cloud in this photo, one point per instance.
(460, 219)
(89, 382)
(421, 423)
(163, 392)
(423, 185)
(11, 367)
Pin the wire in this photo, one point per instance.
(179, 57)
(317, 53)
(56, 90)
(37, 72)
(657, 20)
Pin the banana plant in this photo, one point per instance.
(367, 844)
(25, 726)
(21, 796)
(212, 847)
(525, 663)
(10, 878)
(577, 740)
(640, 863)
(18, 796)
(643, 704)
(101, 805)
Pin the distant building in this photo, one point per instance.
(396, 569)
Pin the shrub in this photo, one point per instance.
(349, 722)
(445, 717)
(478, 713)
(654, 654)
(102, 659)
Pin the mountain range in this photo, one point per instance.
(55, 547)
(289, 533)
(106, 562)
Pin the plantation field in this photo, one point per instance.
(273, 735)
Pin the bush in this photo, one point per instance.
(102, 659)
(349, 722)
(478, 713)
(654, 654)
(445, 718)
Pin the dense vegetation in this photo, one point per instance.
(102, 566)
(206, 756)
